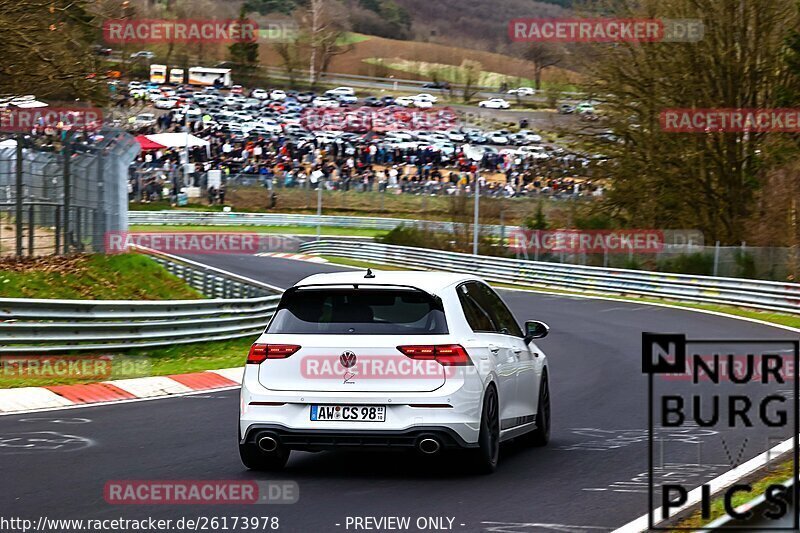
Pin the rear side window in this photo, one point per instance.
(485, 311)
(359, 312)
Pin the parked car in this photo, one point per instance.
(523, 91)
(306, 97)
(144, 54)
(496, 137)
(531, 136)
(436, 85)
(495, 103)
(349, 91)
(144, 120)
(346, 99)
(456, 136)
(566, 109)
(322, 101)
(166, 103)
(426, 97)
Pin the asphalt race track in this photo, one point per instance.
(592, 477)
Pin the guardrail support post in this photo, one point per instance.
(18, 193)
(31, 232)
(58, 230)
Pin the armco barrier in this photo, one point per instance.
(206, 218)
(239, 307)
(766, 295)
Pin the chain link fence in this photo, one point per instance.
(63, 195)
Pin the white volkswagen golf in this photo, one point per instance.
(394, 360)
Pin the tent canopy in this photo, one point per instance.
(176, 140)
(147, 144)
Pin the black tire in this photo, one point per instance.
(484, 458)
(541, 435)
(255, 459)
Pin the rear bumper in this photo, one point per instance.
(332, 439)
(455, 409)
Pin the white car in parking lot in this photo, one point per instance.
(165, 103)
(531, 136)
(495, 103)
(261, 94)
(424, 361)
(426, 97)
(456, 136)
(523, 91)
(322, 101)
(497, 137)
(144, 120)
(405, 101)
(341, 91)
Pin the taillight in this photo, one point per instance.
(444, 354)
(261, 352)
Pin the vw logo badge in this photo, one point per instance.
(348, 359)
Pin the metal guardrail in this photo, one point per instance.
(240, 307)
(208, 218)
(765, 295)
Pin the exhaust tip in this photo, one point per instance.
(429, 446)
(267, 444)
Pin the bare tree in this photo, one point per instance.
(469, 73)
(703, 180)
(542, 55)
(47, 50)
(326, 24)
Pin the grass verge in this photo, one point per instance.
(91, 277)
(781, 474)
(133, 363)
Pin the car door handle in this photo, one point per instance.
(493, 348)
(516, 350)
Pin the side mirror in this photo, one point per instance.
(535, 330)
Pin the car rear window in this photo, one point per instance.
(359, 312)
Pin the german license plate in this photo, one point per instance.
(348, 413)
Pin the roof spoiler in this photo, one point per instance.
(360, 285)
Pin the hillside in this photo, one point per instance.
(376, 55)
(473, 23)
